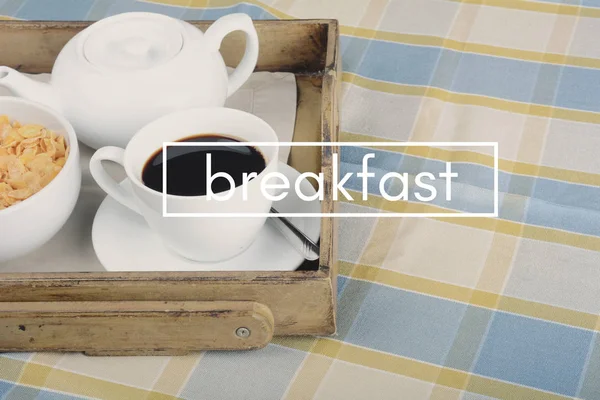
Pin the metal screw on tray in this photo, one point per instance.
(242, 332)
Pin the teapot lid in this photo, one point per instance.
(133, 41)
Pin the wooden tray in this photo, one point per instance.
(134, 313)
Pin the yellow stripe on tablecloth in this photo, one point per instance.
(308, 377)
(404, 281)
(445, 393)
(467, 295)
(176, 373)
(542, 234)
(426, 372)
(506, 390)
(509, 166)
(11, 369)
(476, 48)
(69, 382)
(549, 8)
(474, 100)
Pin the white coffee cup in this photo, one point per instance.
(204, 239)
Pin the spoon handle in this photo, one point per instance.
(302, 243)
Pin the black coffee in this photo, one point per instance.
(186, 166)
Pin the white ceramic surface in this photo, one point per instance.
(124, 242)
(28, 225)
(200, 239)
(270, 96)
(124, 71)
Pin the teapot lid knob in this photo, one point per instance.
(133, 41)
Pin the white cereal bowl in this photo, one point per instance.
(26, 226)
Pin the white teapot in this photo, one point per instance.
(124, 71)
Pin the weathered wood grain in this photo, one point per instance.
(134, 327)
(289, 46)
(299, 306)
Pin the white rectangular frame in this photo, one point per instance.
(339, 144)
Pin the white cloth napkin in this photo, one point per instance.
(268, 95)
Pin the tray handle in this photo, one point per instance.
(134, 327)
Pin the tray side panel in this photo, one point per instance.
(330, 133)
(297, 46)
(135, 328)
(302, 307)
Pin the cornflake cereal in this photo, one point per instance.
(30, 157)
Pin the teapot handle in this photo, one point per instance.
(222, 27)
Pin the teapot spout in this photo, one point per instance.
(28, 88)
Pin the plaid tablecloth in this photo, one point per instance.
(470, 308)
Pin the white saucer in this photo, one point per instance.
(124, 242)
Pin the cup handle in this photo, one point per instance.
(106, 182)
(215, 34)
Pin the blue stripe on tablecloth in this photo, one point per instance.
(387, 61)
(590, 386)
(584, 3)
(10, 391)
(49, 10)
(579, 88)
(10, 7)
(207, 14)
(254, 12)
(534, 353)
(416, 325)
(71, 10)
(246, 369)
(47, 395)
(122, 6)
(341, 282)
(5, 387)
